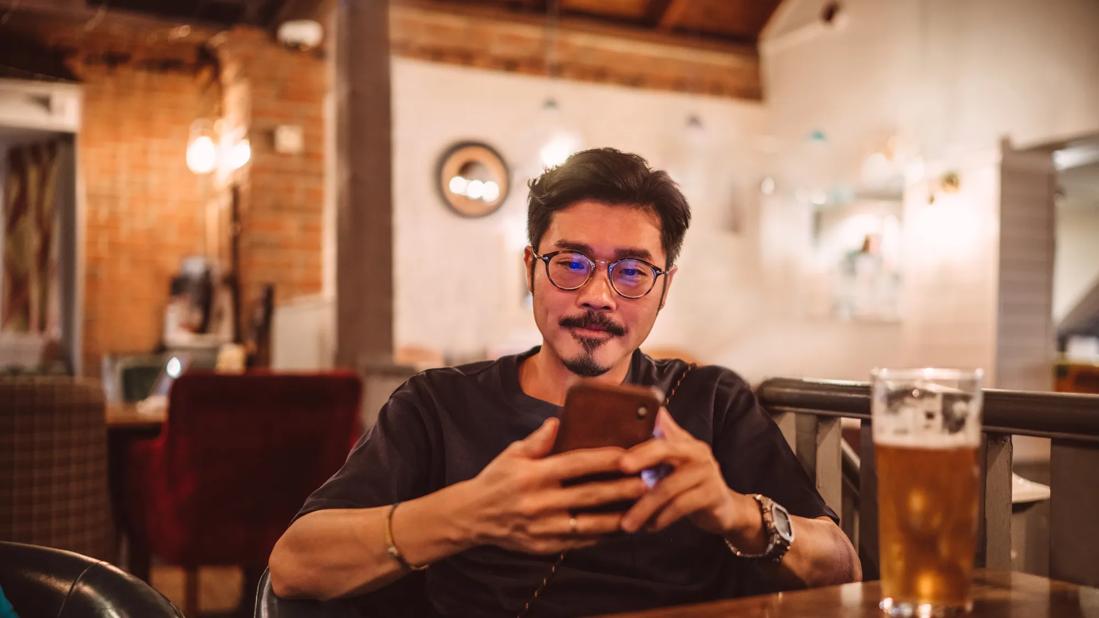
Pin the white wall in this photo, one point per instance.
(1077, 257)
(459, 282)
(949, 80)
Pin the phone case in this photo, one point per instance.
(597, 415)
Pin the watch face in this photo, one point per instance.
(782, 521)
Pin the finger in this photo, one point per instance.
(539, 443)
(683, 505)
(680, 481)
(558, 526)
(669, 427)
(596, 493)
(653, 452)
(582, 462)
(569, 543)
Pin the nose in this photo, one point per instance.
(597, 294)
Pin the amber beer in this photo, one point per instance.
(926, 425)
(927, 514)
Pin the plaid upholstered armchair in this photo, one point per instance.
(53, 465)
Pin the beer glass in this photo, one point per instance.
(927, 430)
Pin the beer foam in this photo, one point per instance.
(924, 414)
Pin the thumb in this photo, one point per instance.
(540, 442)
(668, 426)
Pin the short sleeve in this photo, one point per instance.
(390, 463)
(755, 458)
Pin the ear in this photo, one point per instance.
(667, 286)
(528, 265)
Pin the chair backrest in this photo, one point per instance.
(53, 464)
(240, 453)
(44, 581)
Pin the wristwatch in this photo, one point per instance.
(777, 527)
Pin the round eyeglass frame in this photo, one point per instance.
(610, 264)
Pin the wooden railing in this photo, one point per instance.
(809, 411)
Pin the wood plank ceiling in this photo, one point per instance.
(698, 46)
(733, 21)
(695, 46)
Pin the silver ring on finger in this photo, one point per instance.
(574, 526)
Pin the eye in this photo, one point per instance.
(571, 263)
(632, 270)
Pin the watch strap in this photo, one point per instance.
(777, 544)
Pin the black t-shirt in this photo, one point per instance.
(444, 425)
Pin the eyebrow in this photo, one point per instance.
(623, 252)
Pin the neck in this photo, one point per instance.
(544, 376)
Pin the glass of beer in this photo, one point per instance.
(927, 430)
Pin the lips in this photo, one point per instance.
(591, 331)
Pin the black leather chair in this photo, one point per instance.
(49, 582)
(404, 598)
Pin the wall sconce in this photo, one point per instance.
(210, 149)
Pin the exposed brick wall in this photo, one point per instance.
(283, 194)
(143, 208)
(145, 211)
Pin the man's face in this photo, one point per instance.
(593, 329)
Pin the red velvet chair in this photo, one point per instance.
(236, 459)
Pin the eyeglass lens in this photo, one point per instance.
(629, 277)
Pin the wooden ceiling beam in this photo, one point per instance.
(586, 50)
(665, 14)
(585, 25)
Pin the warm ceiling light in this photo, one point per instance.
(202, 155)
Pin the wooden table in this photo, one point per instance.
(995, 593)
(124, 417)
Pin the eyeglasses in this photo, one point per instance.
(571, 270)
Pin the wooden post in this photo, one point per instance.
(1074, 496)
(786, 422)
(868, 504)
(364, 254)
(994, 536)
(817, 442)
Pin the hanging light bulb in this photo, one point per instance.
(559, 141)
(202, 152)
(558, 149)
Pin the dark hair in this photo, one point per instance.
(612, 177)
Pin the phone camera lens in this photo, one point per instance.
(642, 412)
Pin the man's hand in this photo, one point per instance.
(695, 488)
(517, 502)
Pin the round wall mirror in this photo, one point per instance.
(473, 179)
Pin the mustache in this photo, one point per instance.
(593, 320)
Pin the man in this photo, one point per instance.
(457, 474)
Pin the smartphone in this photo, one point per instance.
(597, 415)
